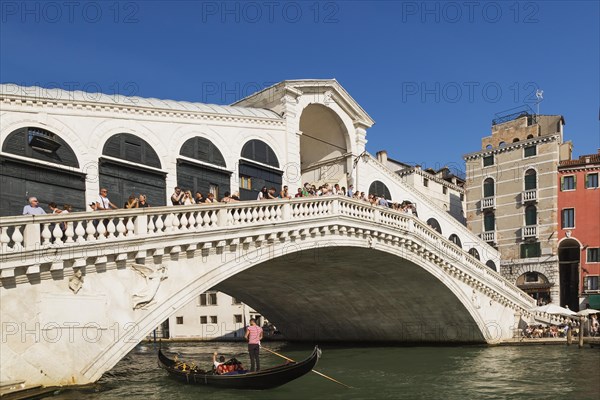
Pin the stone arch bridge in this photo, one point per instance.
(76, 300)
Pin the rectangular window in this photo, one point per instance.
(488, 160)
(237, 318)
(213, 319)
(203, 319)
(592, 254)
(444, 190)
(489, 223)
(212, 297)
(567, 182)
(530, 181)
(179, 320)
(462, 197)
(203, 301)
(245, 182)
(425, 182)
(235, 301)
(530, 151)
(529, 250)
(208, 299)
(591, 283)
(591, 181)
(568, 218)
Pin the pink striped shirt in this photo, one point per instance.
(254, 334)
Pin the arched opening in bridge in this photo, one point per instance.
(258, 167)
(202, 168)
(473, 251)
(324, 146)
(326, 293)
(378, 188)
(536, 285)
(37, 171)
(456, 240)
(139, 172)
(434, 224)
(491, 265)
(569, 252)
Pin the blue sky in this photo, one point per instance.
(432, 74)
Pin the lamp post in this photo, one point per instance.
(365, 156)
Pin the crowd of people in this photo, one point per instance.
(182, 197)
(590, 328)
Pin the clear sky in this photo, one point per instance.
(431, 74)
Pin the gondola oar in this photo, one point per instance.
(316, 372)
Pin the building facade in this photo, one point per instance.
(213, 315)
(579, 233)
(512, 199)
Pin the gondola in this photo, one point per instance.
(264, 379)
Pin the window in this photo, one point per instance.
(203, 319)
(531, 277)
(213, 319)
(462, 197)
(530, 151)
(208, 299)
(568, 218)
(530, 179)
(237, 319)
(245, 182)
(591, 283)
(592, 254)
(529, 250)
(179, 320)
(488, 187)
(474, 253)
(531, 216)
(444, 190)
(425, 182)
(568, 182)
(591, 181)
(235, 301)
(488, 160)
(489, 222)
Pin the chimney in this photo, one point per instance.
(382, 156)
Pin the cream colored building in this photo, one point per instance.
(511, 194)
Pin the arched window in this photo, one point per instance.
(36, 171)
(379, 189)
(203, 150)
(530, 136)
(202, 177)
(134, 177)
(488, 187)
(491, 265)
(530, 179)
(501, 144)
(259, 151)
(455, 239)
(488, 147)
(433, 223)
(531, 215)
(473, 251)
(489, 222)
(515, 140)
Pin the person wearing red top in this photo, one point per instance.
(254, 334)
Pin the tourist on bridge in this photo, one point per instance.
(254, 334)
(33, 208)
(103, 203)
(177, 196)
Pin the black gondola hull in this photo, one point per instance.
(264, 379)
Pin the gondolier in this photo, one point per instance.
(254, 334)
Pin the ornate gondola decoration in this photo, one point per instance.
(239, 379)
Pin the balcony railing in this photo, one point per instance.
(489, 237)
(488, 202)
(529, 231)
(529, 196)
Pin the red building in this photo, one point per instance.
(579, 232)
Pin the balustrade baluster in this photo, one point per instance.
(254, 215)
(90, 230)
(57, 233)
(159, 224)
(169, 223)
(46, 234)
(184, 222)
(4, 239)
(80, 232)
(236, 217)
(175, 223)
(206, 219)
(69, 233)
(111, 229)
(17, 238)
(214, 219)
(199, 220)
(121, 228)
(130, 226)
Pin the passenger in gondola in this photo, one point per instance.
(218, 364)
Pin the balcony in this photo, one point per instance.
(489, 237)
(529, 196)
(488, 203)
(529, 231)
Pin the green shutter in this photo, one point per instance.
(574, 181)
(562, 183)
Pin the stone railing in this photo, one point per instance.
(488, 202)
(529, 231)
(529, 195)
(489, 237)
(69, 234)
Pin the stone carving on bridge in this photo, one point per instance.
(76, 281)
(153, 277)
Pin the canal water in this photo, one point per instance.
(468, 372)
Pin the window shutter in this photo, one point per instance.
(587, 181)
(574, 181)
(562, 183)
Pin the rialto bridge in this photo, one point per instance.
(80, 290)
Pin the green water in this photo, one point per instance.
(527, 372)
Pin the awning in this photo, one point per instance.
(534, 286)
(594, 301)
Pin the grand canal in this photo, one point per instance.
(468, 372)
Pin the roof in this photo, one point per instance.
(582, 160)
(40, 93)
